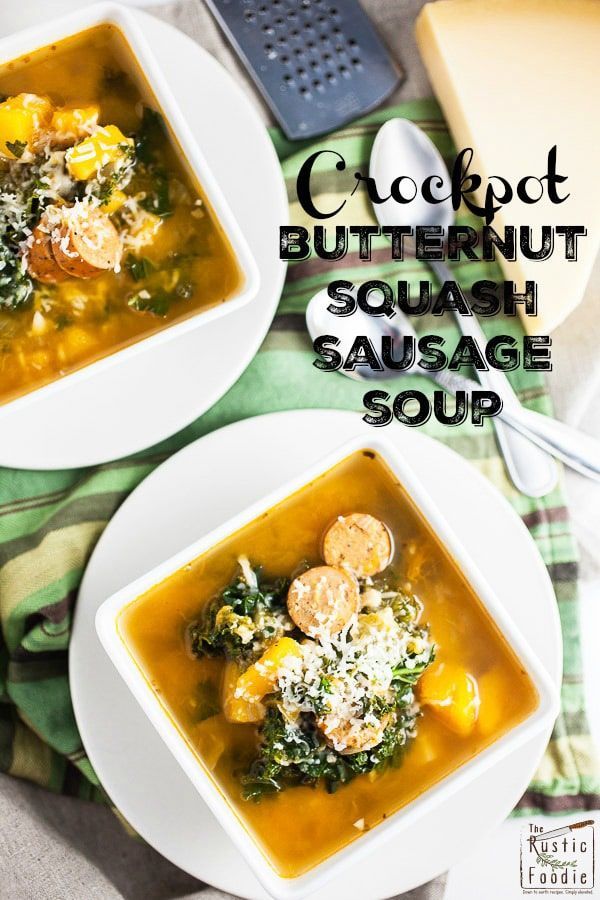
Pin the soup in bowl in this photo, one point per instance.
(113, 231)
(332, 662)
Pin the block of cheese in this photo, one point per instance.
(514, 78)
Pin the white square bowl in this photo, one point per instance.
(14, 47)
(538, 721)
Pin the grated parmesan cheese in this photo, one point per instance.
(339, 677)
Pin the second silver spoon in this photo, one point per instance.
(575, 448)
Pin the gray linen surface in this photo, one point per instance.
(62, 849)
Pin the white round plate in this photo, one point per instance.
(199, 488)
(147, 398)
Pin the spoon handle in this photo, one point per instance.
(576, 449)
(532, 471)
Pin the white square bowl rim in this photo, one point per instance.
(540, 719)
(36, 37)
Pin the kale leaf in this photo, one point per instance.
(158, 201)
(113, 176)
(405, 676)
(150, 136)
(297, 754)
(157, 303)
(139, 267)
(17, 148)
(208, 703)
(240, 620)
(16, 287)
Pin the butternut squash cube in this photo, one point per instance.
(453, 695)
(494, 687)
(76, 342)
(238, 709)
(261, 677)
(71, 123)
(107, 145)
(115, 202)
(22, 119)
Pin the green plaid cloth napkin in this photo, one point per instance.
(50, 521)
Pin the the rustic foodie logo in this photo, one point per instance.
(558, 861)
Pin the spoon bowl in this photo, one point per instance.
(401, 149)
(320, 320)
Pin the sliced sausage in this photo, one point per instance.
(323, 600)
(86, 243)
(347, 738)
(41, 263)
(358, 542)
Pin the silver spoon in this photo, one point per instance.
(401, 147)
(575, 448)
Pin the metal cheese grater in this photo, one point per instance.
(318, 63)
